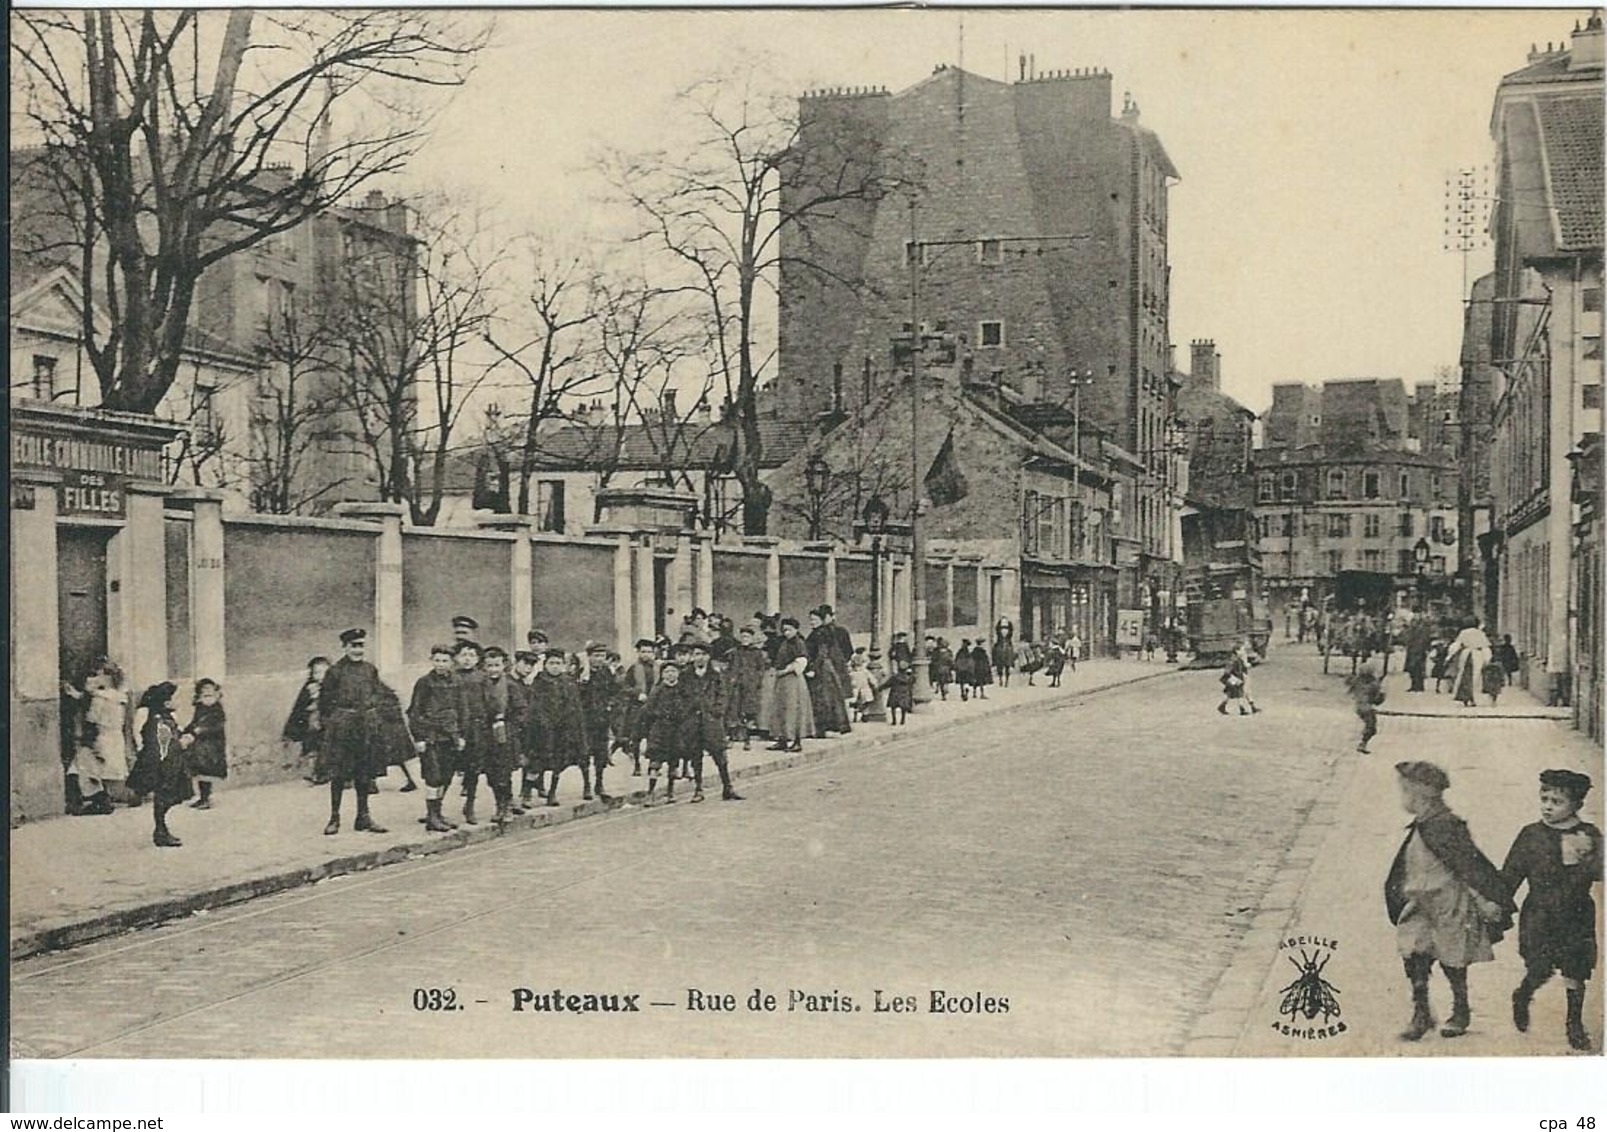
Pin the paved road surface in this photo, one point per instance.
(1092, 863)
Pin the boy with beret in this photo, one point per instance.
(1447, 901)
(434, 717)
(1560, 858)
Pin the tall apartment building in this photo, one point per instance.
(1544, 353)
(1038, 238)
(1343, 483)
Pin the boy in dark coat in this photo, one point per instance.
(1447, 901)
(525, 664)
(745, 669)
(306, 723)
(964, 669)
(981, 669)
(634, 685)
(667, 724)
(1560, 858)
(434, 715)
(505, 709)
(558, 723)
(706, 693)
(941, 664)
(476, 723)
(599, 691)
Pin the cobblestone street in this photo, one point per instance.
(1093, 862)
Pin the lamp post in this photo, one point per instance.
(874, 518)
(817, 474)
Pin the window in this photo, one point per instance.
(989, 252)
(1436, 528)
(1288, 485)
(1590, 396)
(1263, 490)
(1406, 488)
(909, 253)
(1372, 560)
(1407, 528)
(1434, 485)
(1338, 526)
(1029, 522)
(1591, 298)
(1336, 483)
(44, 377)
(550, 505)
(991, 334)
(204, 417)
(1592, 345)
(1286, 528)
(1369, 485)
(1336, 561)
(1405, 562)
(1371, 526)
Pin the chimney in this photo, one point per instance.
(375, 199)
(396, 216)
(667, 405)
(1204, 363)
(1031, 386)
(1586, 53)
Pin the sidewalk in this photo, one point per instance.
(78, 879)
(1514, 702)
(1328, 897)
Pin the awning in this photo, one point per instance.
(1046, 582)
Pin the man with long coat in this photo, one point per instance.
(352, 697)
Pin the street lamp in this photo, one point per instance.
(874, 517)
(817, 474)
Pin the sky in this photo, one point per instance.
(1314, 147)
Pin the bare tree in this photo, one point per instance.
(178, 138)
(757, 171)
(551, 344)
(410, 312)
(863, 460)
(292, 417)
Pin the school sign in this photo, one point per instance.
(93, 456)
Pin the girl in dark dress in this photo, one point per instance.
(204, 741)
(306, 723)
(1560, 858)
(160, 769)
(964, 674)
(982, 668)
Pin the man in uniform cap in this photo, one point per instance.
(352, 695)
(464, 628)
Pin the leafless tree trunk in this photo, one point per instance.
(718, 216)
(292, 417)
(183, 137)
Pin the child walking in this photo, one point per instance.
(941, 665)
(861, 683)
(900, 693)
(1367, 692)
(1560, 858)
(1447, 901)
(160, 769)
(204, 741)
(665, 726)
(963, 671)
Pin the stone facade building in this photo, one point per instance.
(1544, 349)
(1342, 484)
(1037, 241)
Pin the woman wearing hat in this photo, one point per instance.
(828, 674)
(1447, 901)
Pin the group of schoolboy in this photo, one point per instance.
(479, 712)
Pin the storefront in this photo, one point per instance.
(88, 572)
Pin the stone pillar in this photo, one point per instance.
(772, 579)
(1009, 597)
(522, 584)
(644, 623)
(624, 636)
(705, 572)
(678, 602)
(208, 647)
(386, 651)
(136, 573)
(831, 578)
(948, 589)
(34, 766)
(35, 632)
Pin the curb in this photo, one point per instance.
(76, 933)
(1559, 715)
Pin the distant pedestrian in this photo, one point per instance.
(1151, 644)
(1470, 652)
(1073, 650)
(1439, 659)
(1004, 650)
(861, 684)
(981, 670)
(1419, 639)
(160, 769)
(963, 671)
(1055, 663)
(1492, 679)
(1029, 659)
(1560, 858)
(940, 663)
(1367, 693)
(1447, 901)
(1234, 673)
(305, 725)
(900, 692)
(205, 742)
(1507, 655)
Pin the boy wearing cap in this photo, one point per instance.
(1560, 858)
(558, 724)
(434, 717)
(634, 686)
(351, 697)
(745, 668)
(598, 692)
(505, 710)
(1447, 901)
(475, 719)
(667, 727)
(706, 695)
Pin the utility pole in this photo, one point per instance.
(922, 692)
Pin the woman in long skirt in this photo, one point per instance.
(790, 715)
(827, 677)
(1470, 652)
